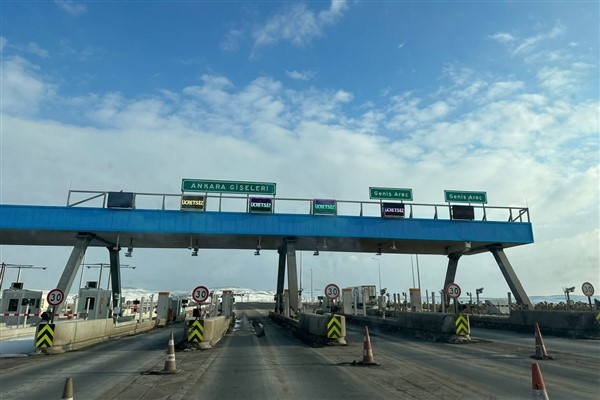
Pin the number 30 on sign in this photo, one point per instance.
(332, 291)
(453, 290)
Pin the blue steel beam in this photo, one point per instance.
(57, 226)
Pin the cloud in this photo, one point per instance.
(23, 88)
(3, 43)
(71, 7)
(563, 80)
(297, 24)
(521, 141)
(231, 41)
(502, 37)
(528, 44)
(300, 75)
(34, 48)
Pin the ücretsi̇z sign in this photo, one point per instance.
(260, 205)
(324, 207)
(392, 210)
(193, 203)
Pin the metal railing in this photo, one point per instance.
(284, 205)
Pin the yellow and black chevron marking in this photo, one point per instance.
(461, 324)
(334, 328)
(195, 331)
(44, 336)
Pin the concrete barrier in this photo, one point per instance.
(10, 333)
(214, 330)
(77, 334)
(431, 326)
(312, 327)
(574, 324)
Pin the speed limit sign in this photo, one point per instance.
(332, 291)
(587, 289)
(453, 290)
(55, 297)
(200, 294)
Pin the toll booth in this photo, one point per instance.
(94, 303)
(227, 303)
(347, 306)
(162, 307)
(22, 306)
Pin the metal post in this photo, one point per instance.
(311, 286)
(443, 301)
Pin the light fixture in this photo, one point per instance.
(324, 243)
(190, 246)
(393, 245)
(316, 253)
(258, 248)
(130, 248)
(378, 250)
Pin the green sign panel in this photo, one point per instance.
(203, 185)
(454, 196)
(324, 207)
(390, 193)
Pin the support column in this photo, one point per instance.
(292, 277)
(450, 275)
(280, 279)
(68, 276)
(115, 280)
(511, 278)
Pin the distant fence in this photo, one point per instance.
(232, 203)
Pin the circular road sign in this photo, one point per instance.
(453, 290)
(332, 291)
(587, 289)
(200, 294)
(55, 297)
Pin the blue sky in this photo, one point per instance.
(493, 96)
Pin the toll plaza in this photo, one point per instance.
(210, 214)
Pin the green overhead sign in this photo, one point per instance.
(390, 193)
(454, 196)
(203, 185)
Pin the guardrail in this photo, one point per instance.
(165, 201)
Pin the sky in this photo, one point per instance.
(324, 98)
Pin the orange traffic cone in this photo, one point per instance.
(540, 349)
(537, 383)
(68, 389)
(170, 362)
(368, 358)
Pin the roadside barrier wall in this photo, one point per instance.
(77, 334)
(433, 326)
(314, 325)
(9, 333)
(576, 324)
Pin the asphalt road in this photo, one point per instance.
(280, 366)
